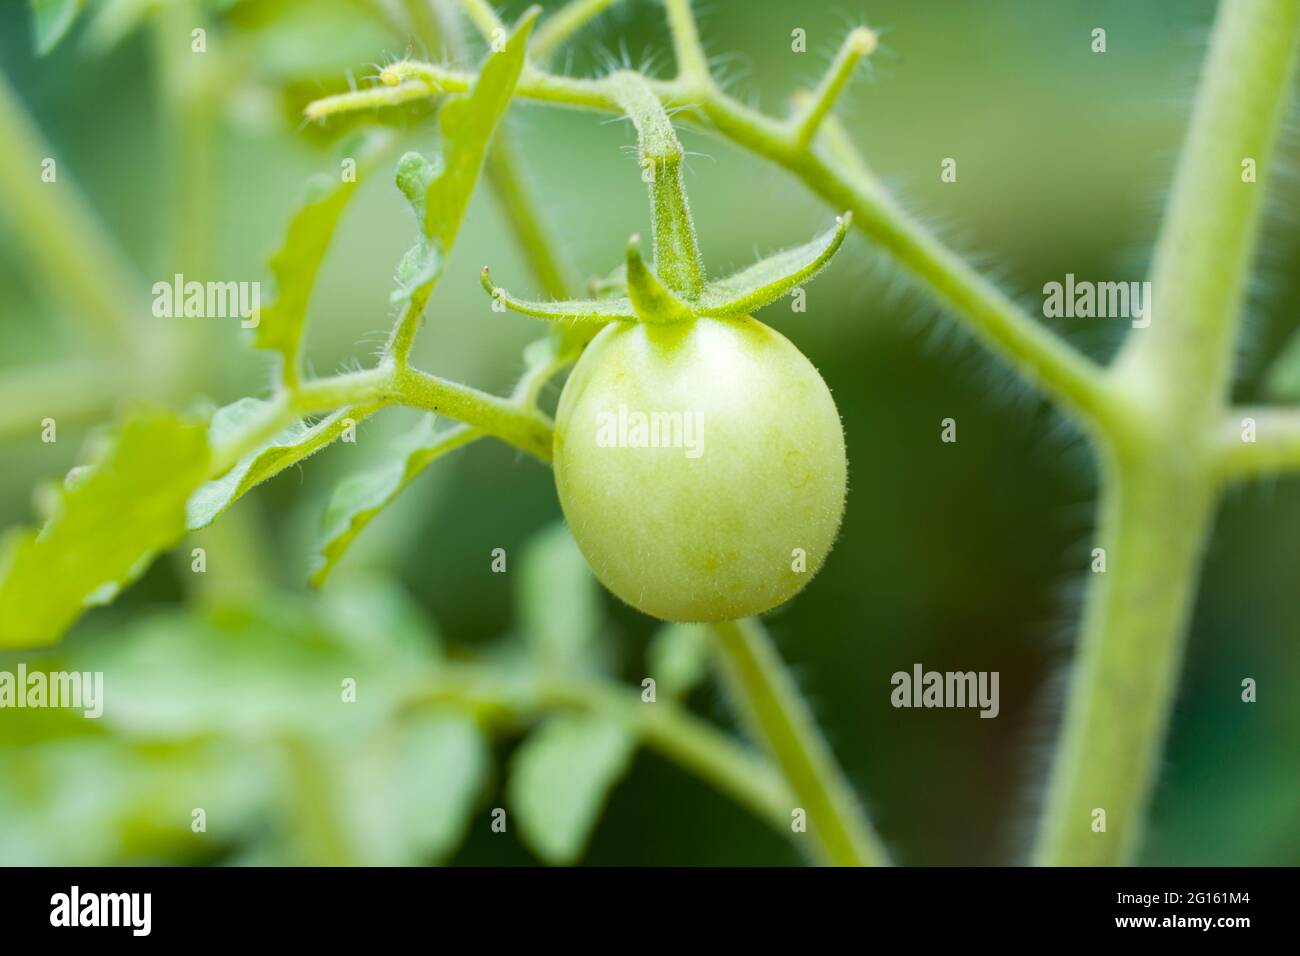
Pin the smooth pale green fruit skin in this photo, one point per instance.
(708, 538)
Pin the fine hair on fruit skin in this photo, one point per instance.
(733, 532)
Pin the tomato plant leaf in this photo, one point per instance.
(559, 600)
(1283, 378)
(295, 265)
(559, 780)
(51, 20)
(467, 125)
(296, 443)
(144, 796)
(764, 282)
(678, 658)
(439, 194)
(360, 497)
(178, 676)
(104, 529)
(409, 791)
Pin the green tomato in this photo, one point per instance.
(700, 466)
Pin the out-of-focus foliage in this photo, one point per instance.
(101, 532)
(302, 729)
(960, 556)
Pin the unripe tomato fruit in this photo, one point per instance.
(710, 533)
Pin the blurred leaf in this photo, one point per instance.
(195, 700)
(360, 497)
(559, 600)
(305, 41)
(559, 780)
(410, 791)
(296, 443)
(308, 238)
(98, 801)
(252, 671)
(107, 525)
(51, 20)
(379, 619)
(678, 658)
(1283, 378)
(113, 20)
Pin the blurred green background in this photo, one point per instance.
(960, 557)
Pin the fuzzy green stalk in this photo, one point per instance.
(1161, 481)
(771, 707)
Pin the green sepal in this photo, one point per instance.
(653, 303)
(574, 311)
(768, 280)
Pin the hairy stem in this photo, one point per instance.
(1160, 475)
(1037, 354)
(1275, 448)
(771, 706)
(1153, 525)
(505, 418)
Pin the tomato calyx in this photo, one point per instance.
(676, 289)
(647, 299)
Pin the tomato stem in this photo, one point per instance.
(770, 704)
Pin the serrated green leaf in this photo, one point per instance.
(768, 280)
(51, 20)
(105, 529)
(440, 193)
(678, 658)
(559, 600)
(296, 443)
(560, 778)
(1283, 379)
(281, 323)
(467, 126)
(360, 497)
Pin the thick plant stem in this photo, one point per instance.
(1164, 461)
(777, 717)
(1154, 523)
(1182, 363)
